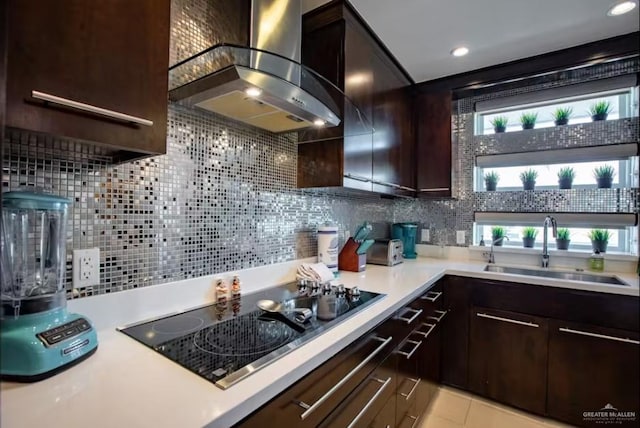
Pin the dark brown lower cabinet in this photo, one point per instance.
(508, 358)
(309, 401)
(591, 368)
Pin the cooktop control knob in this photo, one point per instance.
(315, 286)
(302, 285)
(340, 291)
(326, 288)
(355, 291)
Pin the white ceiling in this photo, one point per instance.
(421, 33)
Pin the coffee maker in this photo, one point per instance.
(38, 337)
(406, 232)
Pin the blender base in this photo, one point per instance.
(38, 346)
(46, 375)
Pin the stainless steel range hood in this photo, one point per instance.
(263, 84)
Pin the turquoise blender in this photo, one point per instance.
(38, 337)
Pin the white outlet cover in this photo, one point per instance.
(425, 235)
(86, 267)
(461, 237)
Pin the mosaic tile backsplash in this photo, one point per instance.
(222, 198)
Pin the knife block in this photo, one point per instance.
(349, 260)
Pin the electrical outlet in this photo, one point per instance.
(425, 235)
(86, 267)
(461, 238)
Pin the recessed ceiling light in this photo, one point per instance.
(253, 92)
(461, 51)
(621, 7)
(319, 122)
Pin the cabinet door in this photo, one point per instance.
(408, 380)
(508, 358)
(433, 144)
(590, 368)
(455, 332)
(112, 55)
(358, 87)
(429, 361)
(393, 144)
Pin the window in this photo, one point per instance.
(623, 104)
(625, 174)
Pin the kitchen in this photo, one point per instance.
(229, 198)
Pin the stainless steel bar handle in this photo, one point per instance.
(600, 336)
(416, 314)
(410, 189)
(436, 296)
(435, 189)
(370, 402)
(311, 408)
(422, 333)
(509, 320)
(415, 420)
(386, 183)
(442, 314)
(417, 344)
(408, 395)
(92, 109)
(358, 178)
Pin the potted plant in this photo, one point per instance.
(599, 239)
(565, 177)
(528, 178)
(604, 176)
(561, 115)
(600, 110)
(562, 239)
(528, 120)
(491, 180)
(497, 235)
(499, 123)
(529, 236)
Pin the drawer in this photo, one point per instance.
(363, 405)
(308, 402)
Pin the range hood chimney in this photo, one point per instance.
(262, 84)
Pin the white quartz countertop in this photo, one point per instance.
(126, 384)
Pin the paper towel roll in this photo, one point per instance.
(328, 246)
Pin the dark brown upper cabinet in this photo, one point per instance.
(373, 148)
(90, 71)
(434, 144)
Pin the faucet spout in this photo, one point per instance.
(492, 259)
(545, 242)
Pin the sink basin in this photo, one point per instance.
(571, 276)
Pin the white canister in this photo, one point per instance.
(328, 246)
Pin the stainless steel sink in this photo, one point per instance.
(571, 276)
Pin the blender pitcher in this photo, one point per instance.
(39, 338)
(33, 252)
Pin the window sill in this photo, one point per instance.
(576, 254)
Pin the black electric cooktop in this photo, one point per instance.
(226, 342)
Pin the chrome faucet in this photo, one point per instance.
(545, 250)
(491, 257)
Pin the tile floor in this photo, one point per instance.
(452, 408)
